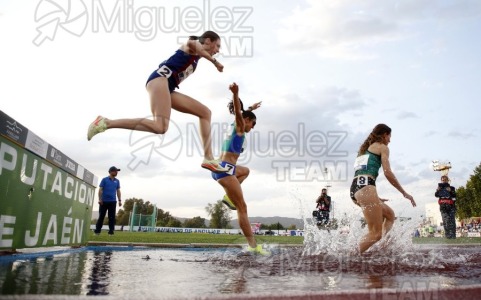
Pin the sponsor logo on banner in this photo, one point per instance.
(71, 166)
(37, 145)
(12, 129)
(88, 177)
(54, 156)
(61, 160)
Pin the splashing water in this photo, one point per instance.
(395, 248)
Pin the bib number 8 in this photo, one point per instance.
(362, 180)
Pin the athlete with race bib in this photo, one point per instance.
(161, 87)
(373, 154)
(231, 180)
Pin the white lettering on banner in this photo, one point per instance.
(46, 170)
(67, 234)
(65, 186)
(78, 230)
(51, 232)
(23, 174)
(83, 193)
(68, 191)
(67, 223)
(33, 240)
(4, 219)
(57, 184)
(4, 163)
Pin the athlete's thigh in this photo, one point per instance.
(371, 206)
(160, 100)
(233, 189)
(188, 105)
(241, 171)
(387, 212)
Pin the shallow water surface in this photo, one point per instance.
(193, 272)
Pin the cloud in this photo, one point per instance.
(303, 128)
(406, 115)
(461, 135)
(347, 30)
(431, 133)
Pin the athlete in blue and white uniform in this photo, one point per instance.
(231, 180)
(161, 87)
(235, 144)
(176, 69)
(373, 154)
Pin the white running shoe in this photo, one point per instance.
(97, 126)
(214, 166)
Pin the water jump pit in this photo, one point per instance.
(194, 272)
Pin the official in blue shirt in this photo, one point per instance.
(109, 191)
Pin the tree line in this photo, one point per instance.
(468, 198)
(220, 216)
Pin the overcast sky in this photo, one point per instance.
(326, 71)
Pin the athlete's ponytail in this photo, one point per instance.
(230, 105)
(375, 136)
(245, 113)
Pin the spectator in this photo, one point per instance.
(447, 197)
(323, 205)
(109, 189)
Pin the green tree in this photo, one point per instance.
(468, 199)
(145, 208)
(173, 222)
(123, 215)
(463, 210)
(165, 219)
(195, 222)
(276, 226)
(219, 215)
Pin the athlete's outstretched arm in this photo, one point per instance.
(386, 166)
(239, 120)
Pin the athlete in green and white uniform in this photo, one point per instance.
(373, 154)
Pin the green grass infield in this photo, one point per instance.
(233, 239)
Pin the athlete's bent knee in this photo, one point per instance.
(205, 113)
(376, 236)
(241, 207)
(160, 129)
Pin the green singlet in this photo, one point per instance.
(367, 164)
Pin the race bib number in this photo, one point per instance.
(361, 162)
(183, 75)
(164, 71)
(362, 180)
(230, 169)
